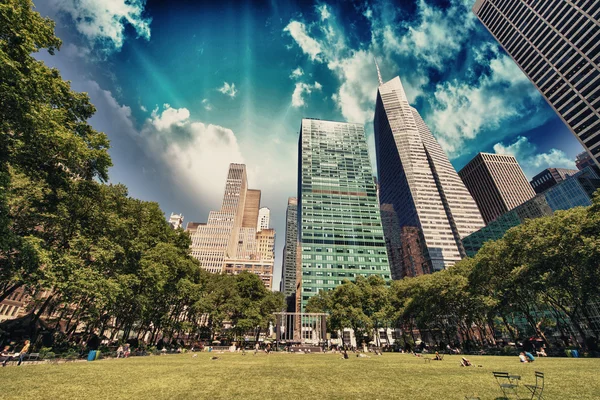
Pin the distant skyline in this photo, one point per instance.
(184, 88)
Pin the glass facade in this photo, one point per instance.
(288, 271)
(338, 213)
(575, 191)
(557, 45)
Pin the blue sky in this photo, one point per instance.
(183, 88)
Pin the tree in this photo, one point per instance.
(45, 144)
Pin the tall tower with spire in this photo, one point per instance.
(419, 187)
(378, 72)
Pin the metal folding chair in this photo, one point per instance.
(537, 389)
(508, 384)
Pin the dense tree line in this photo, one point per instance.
(90, 255)
(544, 272)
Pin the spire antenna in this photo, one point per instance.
(378, 72)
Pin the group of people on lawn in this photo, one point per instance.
(7, 356)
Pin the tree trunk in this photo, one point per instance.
(10, 290)
(42, 308)
(508, 328)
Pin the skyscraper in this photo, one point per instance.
(392, 233)
(288, 266)
(550, 177)
(418, 184)
(574, 191)
(497, 183)
(338, 214)
(557, 45)
(229, 241)
(583, 160)
(264, 216)
(176, 220)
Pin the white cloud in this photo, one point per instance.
(228, 89)
(207, 105)
(123, 113)
(198, 154)
(73, 51)
(530, 160)
(297, 73)
(358, 89)
(437, 35)
(324, 12)
(169, 117)
(103, 22)
(355, 69)
(301, 89)
(308, 45)
(462, 110)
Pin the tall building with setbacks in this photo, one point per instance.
(418, 184)
(230, 242)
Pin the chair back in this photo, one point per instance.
(500, 375)
(539, 379)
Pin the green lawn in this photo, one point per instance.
(293, 376)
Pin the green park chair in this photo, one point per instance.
(508, 384)
(537, 389)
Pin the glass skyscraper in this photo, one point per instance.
(418, 184)
(338, 213)
(288, 268)
(576, 190)
(557, 45)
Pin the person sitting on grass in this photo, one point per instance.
(541, 353)
(522, 358)
(530, 357)
(465, 363)
(437, 356)
(5, 355)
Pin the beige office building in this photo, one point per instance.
(229, 242)
(497, 183)
(418, 185)
(557, 45)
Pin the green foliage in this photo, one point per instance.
(96, 259)
(544, 271)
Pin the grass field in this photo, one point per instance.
(293, 376)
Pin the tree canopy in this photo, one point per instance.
(92, 257)
(541, 278)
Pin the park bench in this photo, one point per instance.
(537, 389)
(28, 357)
(508, 383)
(32, 357)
